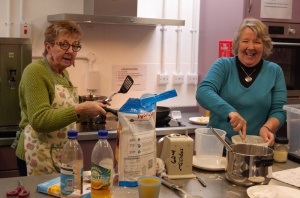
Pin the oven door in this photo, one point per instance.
(286, 53)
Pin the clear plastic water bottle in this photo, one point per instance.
(71, 170)
(102, 167)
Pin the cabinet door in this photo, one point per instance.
(252, 9)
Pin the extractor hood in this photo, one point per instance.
(113, 12)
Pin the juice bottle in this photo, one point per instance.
(102, 167)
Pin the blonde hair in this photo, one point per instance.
(61, 27)
(260, 30)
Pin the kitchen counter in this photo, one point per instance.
(217, 185)
(89, 139)
(92, 135)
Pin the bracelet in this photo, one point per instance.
(267, 128)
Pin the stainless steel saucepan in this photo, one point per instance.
(248, 164)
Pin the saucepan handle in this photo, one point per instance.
(267, 162)
(113, 111)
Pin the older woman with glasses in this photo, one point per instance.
(49, 102)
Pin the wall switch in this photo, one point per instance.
(192, 79)
(178, 79)
(162, 79)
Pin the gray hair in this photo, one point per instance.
(61, 27)
(260, 30)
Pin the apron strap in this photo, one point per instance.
(52, 74)
(15, 142)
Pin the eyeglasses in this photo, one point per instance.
(66, 46)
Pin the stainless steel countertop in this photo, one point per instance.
(92, 135)
(217, 185)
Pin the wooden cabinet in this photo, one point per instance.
(8, 164)
(252, 8)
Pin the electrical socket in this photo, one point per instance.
(178, 79)
(162, 79)
(192, 79)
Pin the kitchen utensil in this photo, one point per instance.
(20, 191)
(91, 97)
(128, 82)
(241, 136)
(164, 122)
(209, 149)
(177, 153)
(162, 112)
(221, 139)
(249, 164)
(171, 185)
(176, 115)
(200, 180)
(160, 143)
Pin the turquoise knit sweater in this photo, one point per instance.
(221, 92)
(36, 93)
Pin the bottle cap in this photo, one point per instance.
(72, 134)
(102, 134)
(281, 140)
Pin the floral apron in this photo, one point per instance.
(43, 150)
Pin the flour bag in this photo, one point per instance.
(136, 141)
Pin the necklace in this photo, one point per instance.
(248, 78)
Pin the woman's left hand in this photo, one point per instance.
(267, 135)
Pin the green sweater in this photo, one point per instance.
(36, 93)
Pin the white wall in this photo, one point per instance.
(215, 27)
(115, 45)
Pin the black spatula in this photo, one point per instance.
(128, 82)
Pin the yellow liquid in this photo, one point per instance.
(149, 180)
(146, 190)
(100, 193)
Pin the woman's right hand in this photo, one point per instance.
(237, 122)
(91, 108)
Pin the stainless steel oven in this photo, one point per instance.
(286, 53)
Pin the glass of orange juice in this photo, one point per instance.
(149, 186)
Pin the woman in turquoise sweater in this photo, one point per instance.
(246, 92)
(49, 102)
